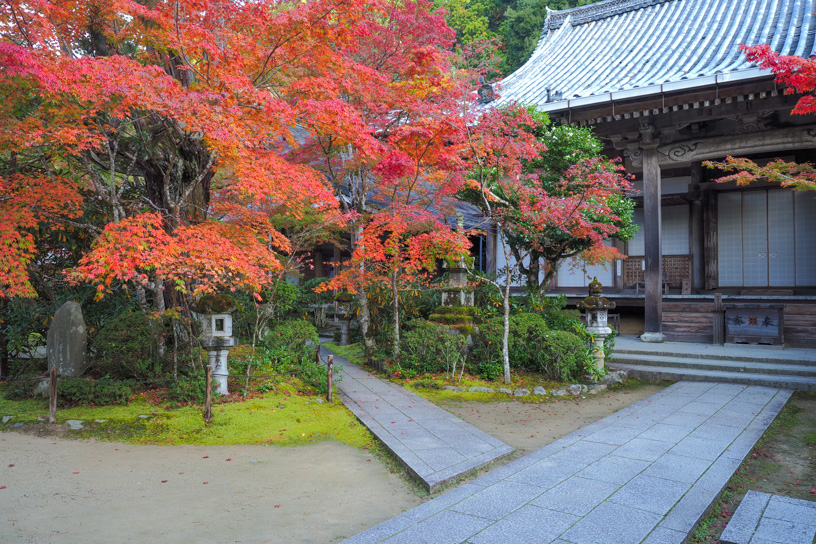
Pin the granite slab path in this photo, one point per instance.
(763, 518)
(645, 474)
(434, 445)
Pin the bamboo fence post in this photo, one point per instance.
(52, 396)
(208, 397)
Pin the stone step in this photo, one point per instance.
(723, 365)
(763, 517)
(761, 355)
(745, 520)
(656, 372)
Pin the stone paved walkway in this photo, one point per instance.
(433, 444)
(763, 518)
(645, 474)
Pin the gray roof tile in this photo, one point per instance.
(647, 47)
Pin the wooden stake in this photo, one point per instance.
(52, 396)
(208, 397)
(329, 396)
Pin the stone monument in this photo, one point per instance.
(68, 341)
(596, 309)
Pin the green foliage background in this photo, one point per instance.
(518, 23)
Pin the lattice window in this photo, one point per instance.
(632, 271)
(676, 268)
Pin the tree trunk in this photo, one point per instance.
(506, 307)
(4, 355)
(158, 306)
(548, 276)
(142, 298)
(395, 296)
(533, 271)
(365, 324)
(365, 312)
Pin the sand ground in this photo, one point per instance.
(56, 490)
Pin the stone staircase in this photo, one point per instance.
(750, 365)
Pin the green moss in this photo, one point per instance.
(464, 329)
(466, 289)
(216, 304)
(355, 353)
(457, 310)
(632, 384)
(280, 417)
(430, 388)
(450, 319)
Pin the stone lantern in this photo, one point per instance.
(345, 298)
(216, 334)
(596, 309)
(457, 292)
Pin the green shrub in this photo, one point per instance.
(280, 300)
(21, 389)
(190, 389)
(491, 371)
(428, 347)
(292, 335)
(127, 347)
(72, 392)
(562, 356)
(524, 328)
(532, 346)
(290, 355)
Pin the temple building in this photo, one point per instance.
(665, 86)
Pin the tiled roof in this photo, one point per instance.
(619, 49)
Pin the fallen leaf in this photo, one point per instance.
(277, 506)
(229, 459)
(164, 481)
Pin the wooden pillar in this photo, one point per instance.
(617, 266)
(697, 232)
(654, 253)
(319, 269)
(711, 241)
(492, 249)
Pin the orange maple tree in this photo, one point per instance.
(212, 133)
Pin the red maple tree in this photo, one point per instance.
(194, 125)
(798, 76)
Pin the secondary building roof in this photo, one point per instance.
(623, 49)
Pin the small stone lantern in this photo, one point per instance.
(345, 298)
(216, 335)
(457, 292)
(596, 309)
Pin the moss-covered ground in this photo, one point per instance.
(430, 386)
(284, 416)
